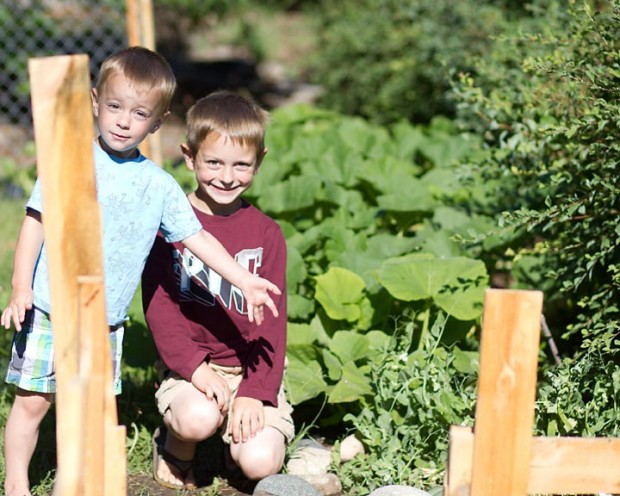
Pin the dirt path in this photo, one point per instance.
(144, 485)
(212, 476)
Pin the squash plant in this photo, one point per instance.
(372, 217)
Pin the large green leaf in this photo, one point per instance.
(456, 285)
(444, 149)
(302, 334)
(338, 164)
(385, 174)
(349, 346)
(408, 139)
(366, 259)
(409, 195)
(295, 269)
(377, 340)
(332, 364)
(438, 242)
(299, 307)
(466, 362)
(294, 194)
(356, 134)
(349, 199)
(364, 263)
(340, 292)
(303, 380)
(344, 241)
(354, 384)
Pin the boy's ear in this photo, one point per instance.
(94, 98)
(159, 122)
(259, 161)
(188, 156)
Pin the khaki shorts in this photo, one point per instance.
(277, 417)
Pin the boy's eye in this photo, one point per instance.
(113, 106)
(242, 166)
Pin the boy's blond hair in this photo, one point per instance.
(231, 115)
(145, 69)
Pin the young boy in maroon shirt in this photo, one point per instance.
(224, 374)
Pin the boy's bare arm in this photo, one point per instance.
(255, 289)
(29, 243)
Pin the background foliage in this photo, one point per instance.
(389, 59)
(549, 111)
(397, 218)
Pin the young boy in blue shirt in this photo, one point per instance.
(131, 99)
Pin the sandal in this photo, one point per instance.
(184, 467)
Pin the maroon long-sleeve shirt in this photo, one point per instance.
(195, 315)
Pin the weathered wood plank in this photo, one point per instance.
(506, 392)
(141, 32)
(60, 90)
(557, 465)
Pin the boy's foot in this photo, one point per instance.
(168, 470)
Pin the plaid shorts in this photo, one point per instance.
(32, 355)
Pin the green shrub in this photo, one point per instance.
(404, 425)
(549, 106)
(392, 59)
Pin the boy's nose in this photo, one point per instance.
(227, 175)
(123, 121)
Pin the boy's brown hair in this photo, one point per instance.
(231, 115)
(146, 70)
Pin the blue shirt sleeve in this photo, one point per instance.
(178, 218)
(35, 202)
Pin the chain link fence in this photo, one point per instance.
(38, 28)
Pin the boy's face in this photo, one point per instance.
(125, 116)
(224, 170)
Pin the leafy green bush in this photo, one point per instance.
(392, 59)
(371, 216)
(549, 108)
(404, 424)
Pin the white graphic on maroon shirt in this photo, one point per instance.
(199, 282)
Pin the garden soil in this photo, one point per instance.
(144, 485)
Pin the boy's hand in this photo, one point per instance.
(206, 380)
(255, 290)
(247, 418)
(20, 303)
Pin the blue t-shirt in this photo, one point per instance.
(137, 199)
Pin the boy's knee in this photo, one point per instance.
(260, 461)
(33, 404)
(195, 424)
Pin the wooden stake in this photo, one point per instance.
(506, 392)
(63, 124)
(141, 32)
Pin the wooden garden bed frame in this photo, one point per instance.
(499, 457)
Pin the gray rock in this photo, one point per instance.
(284, 485)
(326, 484)
(395, 490)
